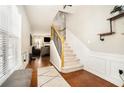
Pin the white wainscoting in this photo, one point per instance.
(103, 65)
(54, 56)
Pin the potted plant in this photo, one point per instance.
(117, 9)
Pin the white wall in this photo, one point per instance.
(54, 56)
(41, 33)
(26, 30)
(87, 21)
(25, 34)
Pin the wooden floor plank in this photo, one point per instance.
(80, 78)
(34, 64)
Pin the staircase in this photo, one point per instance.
(65, 61)
(71, 62)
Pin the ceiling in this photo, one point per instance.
(41, 17)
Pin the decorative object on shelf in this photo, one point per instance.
(111, 19)
(117, 8)
(66, 6)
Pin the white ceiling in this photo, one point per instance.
(41, 17)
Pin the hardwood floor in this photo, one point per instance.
(84, 78)
(80, 78)
(34, 64)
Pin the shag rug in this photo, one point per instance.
(50, 77)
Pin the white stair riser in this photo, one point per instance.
(72, 66)
(71, 63)
(71, 60)
(69, 55)
(72, 70)
(67, 47)
(66, 43)
(68, 50)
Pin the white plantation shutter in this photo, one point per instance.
(3, 53)
(12, 52)
(3, 40)
(8, 41)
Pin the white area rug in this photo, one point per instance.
(50, 77)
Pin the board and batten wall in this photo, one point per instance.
(103, 58)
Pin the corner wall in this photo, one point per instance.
(104, 65)
(25, 36)
(102, 58)
(89, 20)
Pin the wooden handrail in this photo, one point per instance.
(53, 28)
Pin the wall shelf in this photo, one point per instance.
(116, 16)
(111, 30)
(105, 34)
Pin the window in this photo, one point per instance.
(8, 41)
(3, 53)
